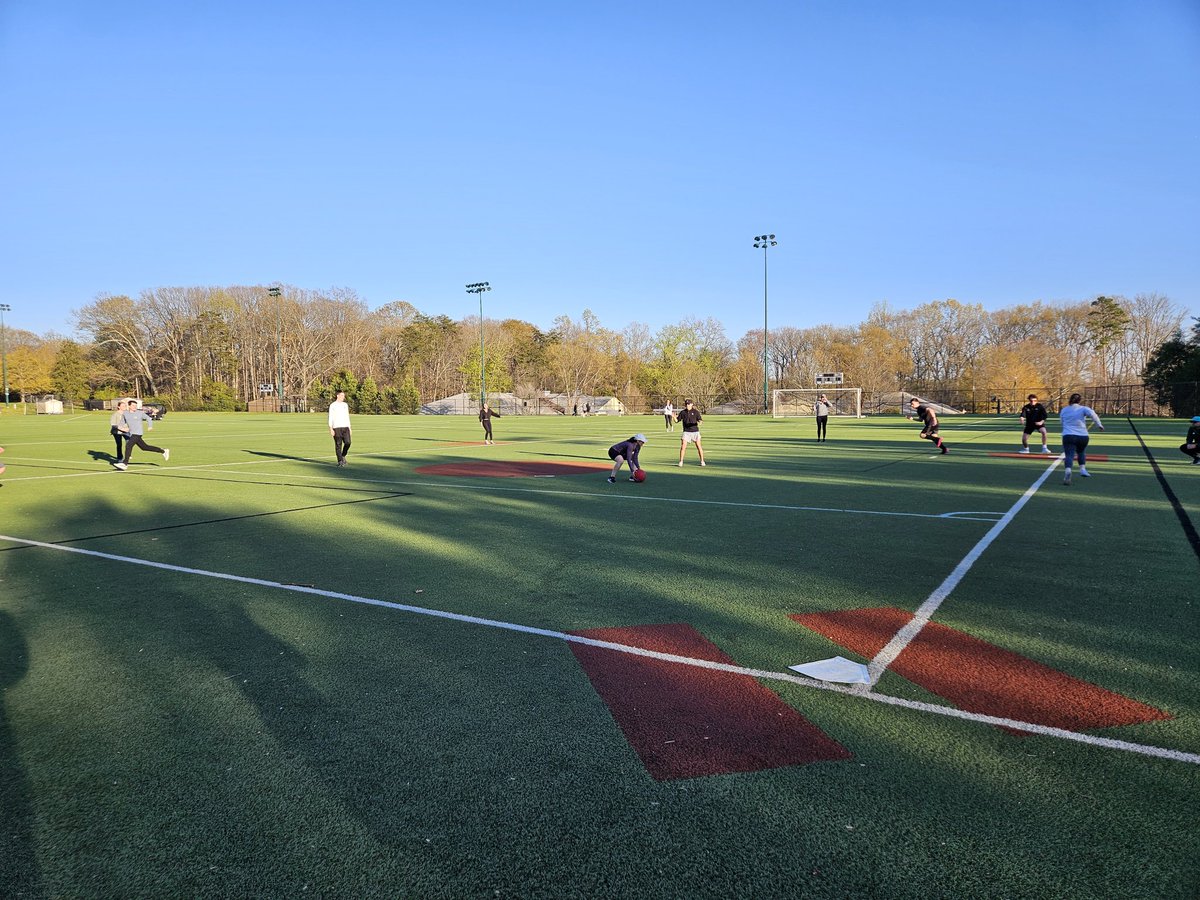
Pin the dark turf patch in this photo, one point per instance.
(1049, 457)
(500, 468)
(981, 677)
(686, 722)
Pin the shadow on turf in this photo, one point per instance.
(18, 863)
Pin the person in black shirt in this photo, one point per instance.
(691, 419)
(485, 418)
(626, 451)
(1191, 444)
(929, 420)
(1033, 417)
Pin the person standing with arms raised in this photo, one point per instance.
(339, 427)
(821, 409)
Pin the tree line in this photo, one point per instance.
(213, 348)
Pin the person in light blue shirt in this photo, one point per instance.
(1074, 417)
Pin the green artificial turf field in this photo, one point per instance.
(308, 726)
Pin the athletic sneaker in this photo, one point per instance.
(1084, 472)
(945, 449)
(1023, 450)
(612, 480)
(1067, 477)
(120, 465)
(703, 463)
(1045, 449)
(631, 478)
(1196, 460)
(681, 465)
(166, 455)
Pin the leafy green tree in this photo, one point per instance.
(368, 399)
(69, 373)
(216, 396)
(409, 399)
(1173, 372)
(344, 380)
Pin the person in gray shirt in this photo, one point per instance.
(133, 419)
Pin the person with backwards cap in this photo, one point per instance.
(1191, 444)
(626, 452)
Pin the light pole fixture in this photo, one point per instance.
(479, 288)
(763, 241)
(4, 307)
(275, 292)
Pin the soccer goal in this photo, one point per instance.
(790, 403)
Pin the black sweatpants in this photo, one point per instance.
(135, 440)
(341, 443)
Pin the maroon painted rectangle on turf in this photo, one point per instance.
(981, 677)
(684, 721)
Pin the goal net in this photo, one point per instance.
(788, 403)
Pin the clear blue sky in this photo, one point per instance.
(616, 156)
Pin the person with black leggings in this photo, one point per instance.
(485, 419)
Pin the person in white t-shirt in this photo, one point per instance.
(339, 427)
(669, 415)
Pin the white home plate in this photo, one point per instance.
(836, 669)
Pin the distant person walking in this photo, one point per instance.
(1074, 417)
(117, 427)
(1033, 418)
(485, 419)
(134, 419)
(821, 408)
(339, 427)
(1191, 444)
(929, 423)
(691, 419)
(669, 416)
(626, 452)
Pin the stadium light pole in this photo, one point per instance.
(275, 292)
(764, 241)
(479, 288)
(4, 307)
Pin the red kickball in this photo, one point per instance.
(639, 475)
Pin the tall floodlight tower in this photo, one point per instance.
(479, 288)
(764, 241)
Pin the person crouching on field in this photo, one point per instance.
(1191, 444)
(626, 452)
(929, 423)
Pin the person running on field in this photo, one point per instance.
(485, 418)
(133, 418)
(1075, 437)
(339, 427)
(1033, 418)
(626, 452)
(929, 423)
(1191, 444)
(669, 415)
(821, 408)
(691, 419)
(117, 427)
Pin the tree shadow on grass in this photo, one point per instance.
(19, 872)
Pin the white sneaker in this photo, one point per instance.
(120, 465)
(166, 455)
(1067, 478)
(1023, 450)
(1045, 449)
(681, 465)
(1084, 472)
(703, 463)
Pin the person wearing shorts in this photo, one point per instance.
(929, 423)
(1033, 418)
(1075, 437)
(690, 417)
(1191, 444)
(821, 408)
(626, 452)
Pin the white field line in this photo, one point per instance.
(857, 692)
(885, 657)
